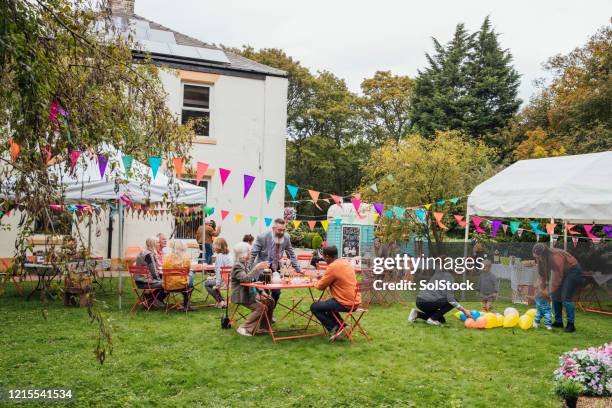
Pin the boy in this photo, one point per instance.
(488, 287)
(542, 300)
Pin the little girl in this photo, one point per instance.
(488, 287)
(542, 301)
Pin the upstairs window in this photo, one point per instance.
(196, 107)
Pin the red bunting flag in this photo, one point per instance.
(201, 171)
(311, 225)
(476, 221)
(575, 241)
(438, 217)
(224, 214)
(569, 229)
(337, 199)
(587, 229)
(459, 219)
(314, 195)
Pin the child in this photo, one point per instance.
(488, 287)
(542, 301)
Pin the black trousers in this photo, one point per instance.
(433, 310)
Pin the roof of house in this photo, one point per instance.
(232, 63)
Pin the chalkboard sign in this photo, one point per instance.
(350, 241)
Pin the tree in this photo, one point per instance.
(385, 106)
(69, 84)
(425, 171)
(469, 85)
(538, 145)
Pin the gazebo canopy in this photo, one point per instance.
(573, 188)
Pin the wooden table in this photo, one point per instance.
(292, 310)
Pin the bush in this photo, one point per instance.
(316, 241)
(307, 241)
(295, 234)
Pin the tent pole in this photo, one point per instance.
(120, 247)
(564, 236)
(465, 244)
(552, 241)
(203, 245)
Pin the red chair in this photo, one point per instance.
(352, 319)
(144, 296)
(176, 281)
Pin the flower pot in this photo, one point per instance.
(571, 402)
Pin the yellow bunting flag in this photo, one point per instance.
(427, 206)
(238, 218)
(324, 224)
(296, 224)
(375, 217)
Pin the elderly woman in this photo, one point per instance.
(178, 258)
(566, 275)
(258, 302)
(148, 258)
(222, 258)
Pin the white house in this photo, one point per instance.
(246, 106)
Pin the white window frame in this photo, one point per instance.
(210, 103)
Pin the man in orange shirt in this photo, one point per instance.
(342, 283)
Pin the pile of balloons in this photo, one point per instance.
(510, 318)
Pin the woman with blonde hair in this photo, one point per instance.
(148, 259)
(222, 258)
(178, 258)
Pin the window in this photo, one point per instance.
(57, 223)
(196, 107)
(186, 226)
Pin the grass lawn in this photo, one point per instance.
(187, 360)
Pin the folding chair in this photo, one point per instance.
(144, 296)
(176, 281)
(5, 273)
(352, 319)
(131, 252)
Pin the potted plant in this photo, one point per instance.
(569, 391)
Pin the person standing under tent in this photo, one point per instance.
(566, 276)
(211, 231)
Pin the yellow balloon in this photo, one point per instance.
(500, 320)
(530, 312)
(491, 320)
(511, 320)
(457, 315)
(525, 322)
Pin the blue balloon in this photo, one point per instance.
(475, 314)
(463, 317)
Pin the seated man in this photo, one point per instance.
(342, 282)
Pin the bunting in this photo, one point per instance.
(270, 185)
(201, 169)
(324, 224)
(248, 182)
(238, 217)
(374, 188)
(154, 163)
(15, 149)
(293, 190)
(476, 221)
(337, 199)
(569, 228)
(575, 241)
(224, 214)
(494, 227)
(535, 227)
(459, 219)
(550, 229)
(74, 158)
(102, 161)
(268, 221)
(438, 217)
(253, 220)
(514, 226)
(127, 162)
(421, 213)
(399, 211)
(224, 174)
(608, 230)
(587, 229)
(379, 207)
(314, 195)
(296, 224)
(177, 162)
(356, 204)
(311, 225)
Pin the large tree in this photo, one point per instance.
(469, 85)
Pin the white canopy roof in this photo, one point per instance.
(85, 183)
(573, 188)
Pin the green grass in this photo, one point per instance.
(187, 360)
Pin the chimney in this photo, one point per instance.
(121, 7)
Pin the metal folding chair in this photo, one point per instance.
(176, 281)
(353, 319)
(144, 296)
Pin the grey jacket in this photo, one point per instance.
(242, 294)
(263, 247)
(448, 295)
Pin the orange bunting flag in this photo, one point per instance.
(324, 224)
(569, 229)
(315, 197)
(438, 216)
(296, 224)
(550, 229)
(311, 225)
(178, 166)
(459, 219)
(337, 199)
(201, 171)
(15, 149)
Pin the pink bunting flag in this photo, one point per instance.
(459, 219)
(476, 221)
(575, 241)
(337, 199)
(53, 109)
(587, 229)
(569, 229)
(311, 225)
(550, 229)
(519, 232)
(438, 217)
(102, 162)
(314, 195)
(248, 182)
(224, 174)
(74, 158)
(224, 214)
(505, 227)
(356, 204)
(326, 200)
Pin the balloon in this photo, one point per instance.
(457, 315)
(511, 320)
(530, 312)
(462, 317)
(469, 323)
(475, 314)
(491, 320)
(510, 310)
(525, 322)
(481, 322)
(500, 320)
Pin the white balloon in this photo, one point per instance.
(510, 310)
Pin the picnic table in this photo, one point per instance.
(292, 311)
(205, 270)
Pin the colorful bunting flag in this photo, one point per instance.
(74, 158)
(224, 214)
(505, 227)
(296, 224)
(427, 206)
(293, 190)
(399, 211)
(421, 213)
(324, 224)
(314, 195)
(238, 217)
(311, 225)
(454, 200)
(375, 217)
(326, 200)
(550, 229)
(440, 202)
(253, 220)
(608, 230)
(476, 221)
(535, 228)
(224, 174)
(569, 228)
(154, 163)
(459, 219)
(15, 149)
(338, 221)
(388, 213)
(127, 162)
(374, 188)
(514, 226)
(494, 227)
(519, 232)
(248, 182)
(438, 217)
(379, 207)
(575, 241)
(268, 221)
(178, 166)
(356, 204)
(102, 161)
(587, 229)
(270, 185)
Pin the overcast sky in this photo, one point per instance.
(354, 39)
